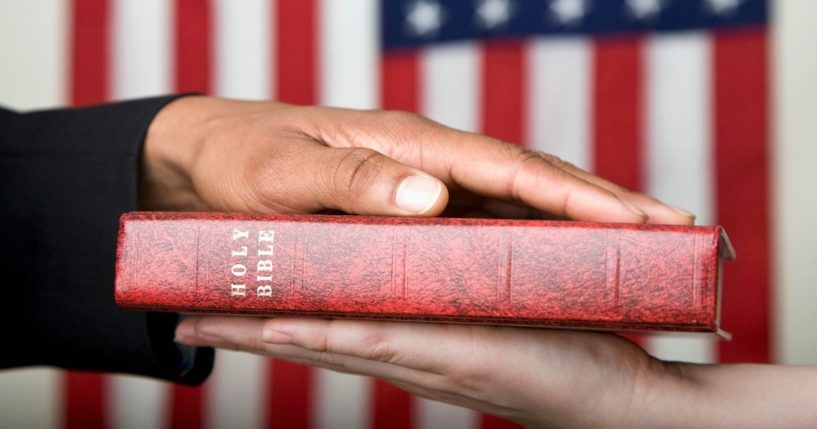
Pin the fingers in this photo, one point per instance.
(482, 165)
(507, 172)
(393, 351)
(244, 334)
(658, 212)
(250, 335)
(354, 180)
(378, 341)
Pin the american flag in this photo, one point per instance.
(669, 97)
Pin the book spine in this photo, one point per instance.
(526, 273)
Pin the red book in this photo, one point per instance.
(519, 272)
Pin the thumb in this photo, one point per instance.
(364, 181)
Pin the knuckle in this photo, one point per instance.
(327, 339)
(377, 347)
(526, 162)
(406, 133)
(260, 183)
(330, 360)
(356, 171)
(402, 118)
(554, 160)
(469, 381)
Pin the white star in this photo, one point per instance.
(568, 12)
(493, 13)
(645, 10)
(723, 7)
(424, 17)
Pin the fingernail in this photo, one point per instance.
(683, 212)
(185, 333)
(417, 194)
(272, 336)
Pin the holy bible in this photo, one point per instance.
(516, 272)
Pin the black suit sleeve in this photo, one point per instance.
(65, 177)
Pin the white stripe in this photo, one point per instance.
(348, 62)
(679, 161)
(434, 415)
(560, 74)
(451, 94)
(341, 400)
(140, 48)
(451, 85)
(348, 53)
(32, 39)
(236, 391)
(795, 227)
(140, 66)
(34, 49)
(34, 46)
(30, 398)
(243, 51)
(137, 402)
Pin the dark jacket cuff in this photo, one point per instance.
(65, 177)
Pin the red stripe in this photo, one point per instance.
(617, 111)
(617, 116)
(503, 117)
(85, 393)
(392, 407)
(493, 422)
(742, 189)
(89, 52)
(186, 407)
(193, 46)
(289, 387)
(503, 91)
(85, 400)
(400, 81)
(290, 395)
(297, 51)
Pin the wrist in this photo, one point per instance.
(171, 145)
(666, 395)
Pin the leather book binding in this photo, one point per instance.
(516, 272)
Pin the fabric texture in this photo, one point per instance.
(65, 178)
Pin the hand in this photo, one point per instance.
(540, 378)
(537, 377)
(204, 153)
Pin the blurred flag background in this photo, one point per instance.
(709, 105)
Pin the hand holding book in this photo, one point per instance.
(537, 377)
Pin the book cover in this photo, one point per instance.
(517, 272)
